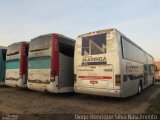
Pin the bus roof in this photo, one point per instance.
(71, 41)
(98, 31)
(3, 47)
(113, 29)
(18, 43)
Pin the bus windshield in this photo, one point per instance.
(40, 43)
(13, 49)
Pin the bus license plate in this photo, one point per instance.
(93, 82)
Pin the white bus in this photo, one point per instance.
(50, 62)
(107, 63)
(17, 65)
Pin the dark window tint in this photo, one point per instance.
(4, 54)
(26, 49)
(40, 43)
(13, 49)
(66, 49)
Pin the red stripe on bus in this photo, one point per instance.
(21, 58)
(55, 55)
(95, 77)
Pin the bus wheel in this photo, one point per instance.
(139, 88)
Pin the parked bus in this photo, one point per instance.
(2, 64)
(17, 65)
(51, 63)
(107, 63)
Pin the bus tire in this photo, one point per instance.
(140, 87)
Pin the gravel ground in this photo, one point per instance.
(29, 103)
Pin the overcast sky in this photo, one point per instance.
(139, 20)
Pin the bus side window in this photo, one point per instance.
(66, 49)
(4, 54)
(130, 51)
(145, 70)
(151, 69)
(122, 49)
(26, 50)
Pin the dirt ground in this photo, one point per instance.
(30, 103)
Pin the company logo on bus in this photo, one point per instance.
(93, 82)
(94, 60)
(94, 45)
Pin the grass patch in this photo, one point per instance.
(155, 107)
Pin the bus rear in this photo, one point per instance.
(96, 64)
(2, 64)
(50, 64)
(17, 65)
